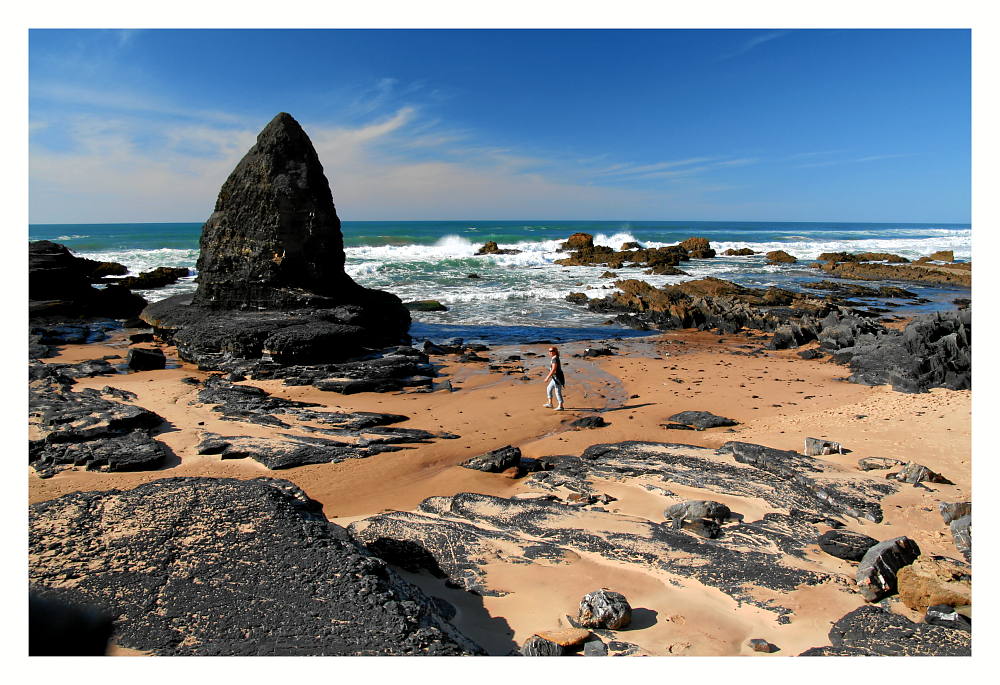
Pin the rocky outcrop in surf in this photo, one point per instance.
(271, 279)
(61, 286)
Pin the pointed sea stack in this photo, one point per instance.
(271, 279)
(274, 240)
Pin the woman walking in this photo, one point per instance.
(555, 381)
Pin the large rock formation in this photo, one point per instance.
(61, 286)
(218, 566)
(271, 276)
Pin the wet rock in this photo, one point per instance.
(874, 631)
(877, 572)
(604, 609)
(740, 252)
(157, 278)
(932, 580)
(577, 241)
(589, 422)
(425, 306)
(780, 257)
(492, 248)
(598, 352)
(577, 298)
(846, 544)
(60, 284)
(920, 272)
(943, 256)
(146, 359)
(954, 510)
(205, 566)
(701, 419)
(961, 533)
(946, 616)
(698, 248)
(917, 473)
(495, 461)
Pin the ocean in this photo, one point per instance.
(520, 298)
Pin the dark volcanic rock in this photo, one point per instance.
(285, 451)
(760, 645)
(876, 573)
(456, 536)
(699, 509)
(539, 646)
(60, 285)
(604, 609)
(157, 278)
(425, 306)
(85, 429)
(837, 496)
(846, 544)
(874, 631)
(701, 419)
(589, 422)
(495, 461)
(271, 279)
(146, 359)
(203, 566)
(933, 351)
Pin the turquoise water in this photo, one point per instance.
(522, 296)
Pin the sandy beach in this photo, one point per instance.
(777, 398)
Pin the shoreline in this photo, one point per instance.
(776, 397)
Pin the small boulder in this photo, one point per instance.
(846, 544)
(816, 447)
(146, 359)
(495, 461)
(604, 609)
(693, 509)
(760, 645)
(917, 473)
(954, 510)
(878, 463)
(492, 248)
(425, 306)
(933, 580)
(698, 248)
(578, 241)
(595, 646)
(811, 353)
(943, 256)
(876, 575)
(740, 252)
(701, 419)
(589, 422)
(780, 257)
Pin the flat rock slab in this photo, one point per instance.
(204, 566)
(87, 429)
(846, 544)
(873, 631)
(286, 450)
(701, 419)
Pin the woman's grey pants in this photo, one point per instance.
(554, 387)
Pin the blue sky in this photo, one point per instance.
(757, 124)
